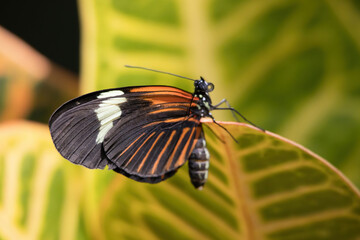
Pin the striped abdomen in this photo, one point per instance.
(199, 163)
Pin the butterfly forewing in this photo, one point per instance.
(74, 129)
(143, 132)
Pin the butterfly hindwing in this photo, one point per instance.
(170, 153)
(153, 151)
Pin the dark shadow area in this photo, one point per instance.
(51, 27)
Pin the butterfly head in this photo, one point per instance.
(203, 86)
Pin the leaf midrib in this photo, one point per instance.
(237, 177)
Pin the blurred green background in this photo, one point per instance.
(292, 67)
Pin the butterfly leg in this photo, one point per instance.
(229, 106)
(223, 128)
(221, 102)
(233, 111)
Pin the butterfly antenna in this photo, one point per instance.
(153, 70)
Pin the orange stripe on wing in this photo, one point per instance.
(171, 158)
(158, 89)
(174, 120)
(180, 119)
(170, 109)
(162, 152)
(169, 96)
(130, 145)
(139, 149)
(161, 90)
(152, 89)
(173, 107)
(182, 155)
(167, 104)
(147, 154)
(197, 135)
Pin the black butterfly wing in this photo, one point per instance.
(150, 151)
(74, 128)
(145, 133)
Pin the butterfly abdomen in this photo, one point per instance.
(199, 163)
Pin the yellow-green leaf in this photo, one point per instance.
(264, 187)
(43, 196)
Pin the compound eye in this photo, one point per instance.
(210, 87)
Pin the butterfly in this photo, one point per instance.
(144, 132)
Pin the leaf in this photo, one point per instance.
(42, 196)
(264, 187)
(289, 66)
